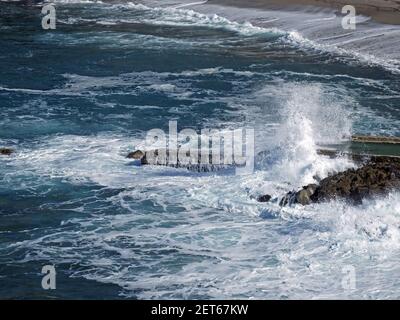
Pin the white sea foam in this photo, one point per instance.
(178, 17)
(393, 65)
(205, 229)
(182, 17)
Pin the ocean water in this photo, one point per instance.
(75, 100)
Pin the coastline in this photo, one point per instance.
(383, 11)
(313, 23)
(84, 103)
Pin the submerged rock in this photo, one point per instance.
(264, 198)
(6, 151)
(138, 155)
(377, 177)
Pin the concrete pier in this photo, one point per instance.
(376, 139)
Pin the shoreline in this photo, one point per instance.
(383, 11)
(315, 23)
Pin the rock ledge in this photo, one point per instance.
(377, 177)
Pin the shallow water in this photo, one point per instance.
(75, 100)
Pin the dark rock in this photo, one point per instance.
(304, 196)
(288, 199)
(375, 178)
(311, 188)
(176, 159)
(6, 151)
(138, 155)
(264, 198)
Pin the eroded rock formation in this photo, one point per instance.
(377, 177)
(6, 151)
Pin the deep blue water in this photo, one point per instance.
(75, 100)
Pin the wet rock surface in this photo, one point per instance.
(264, 198)
(177, 158)
(138, 155)
(6, 151)
(377, 177)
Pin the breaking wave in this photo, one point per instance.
(176, 16)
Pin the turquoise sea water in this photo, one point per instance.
(75, 100)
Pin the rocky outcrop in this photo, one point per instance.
(6, 151)
(138, 155)
(377, 177)
(264, 198)
(304, 196)
(177, 158)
